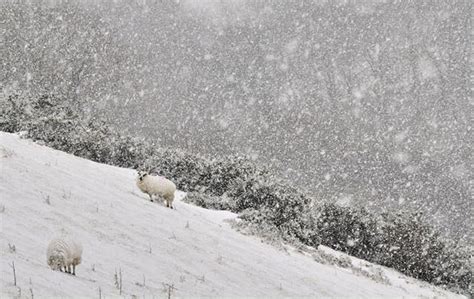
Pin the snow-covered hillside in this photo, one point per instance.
(47, 193)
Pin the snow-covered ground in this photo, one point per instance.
(46, 193)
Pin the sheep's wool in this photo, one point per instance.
(63, 252)
(159, 186)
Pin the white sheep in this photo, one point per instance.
(64, 253)
(156, 185)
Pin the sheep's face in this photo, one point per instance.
(141, 175)
(56, 262)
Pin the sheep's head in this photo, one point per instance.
(56, 262)
(141, 175)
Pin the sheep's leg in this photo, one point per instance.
(151, 197)
(169, 201)
(73, 269)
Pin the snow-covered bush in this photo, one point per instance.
(403, 241)
(13, 113)
(255, 222)
(210, 201)
(227, 174)
(349, 230)
(295, 232)
(277, 204)
(407, 243)
(51, 120)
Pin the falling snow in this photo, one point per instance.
(366, 104)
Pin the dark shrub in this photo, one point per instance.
(402, 241)
(349, 230)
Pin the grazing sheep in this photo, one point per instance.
(64, 253)
(156, 185)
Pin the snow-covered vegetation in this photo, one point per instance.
(269, 208)
(133, 248)
(313, 124)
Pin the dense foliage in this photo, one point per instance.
(404, 242)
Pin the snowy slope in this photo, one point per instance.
(47, 193)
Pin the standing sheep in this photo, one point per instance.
(64, 253)
(156, 185)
